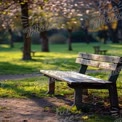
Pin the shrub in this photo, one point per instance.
(57, 39)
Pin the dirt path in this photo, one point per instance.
(36, 110)
(20, 76)
(29, 110)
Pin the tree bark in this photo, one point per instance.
(86, 35)
(119, 21)
(44, 43)
(70, 40)
(105, 36)
(119, 26)
(113, 33)
(25, 24)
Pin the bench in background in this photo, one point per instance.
(79, 81)
(97, 50)
(32, 51)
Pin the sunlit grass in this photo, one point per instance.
(22, 88)
(58, 59)
(31, 87)
(97, 118)
(11, 62)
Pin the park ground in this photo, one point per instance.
(23, 88)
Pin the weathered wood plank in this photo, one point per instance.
(72, 77)
(104, 65)
(112, 59)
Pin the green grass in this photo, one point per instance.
(60, 59)
(30, 87)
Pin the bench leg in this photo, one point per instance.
(51, 88)
(78, 97)
(113, 97)
(33, 54)
(104, 52)
(100, 52)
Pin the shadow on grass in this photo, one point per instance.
(38, 96)
(59, 63)
(34, 65)
(64, 98)
(9, 68)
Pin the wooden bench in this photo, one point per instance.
(32, 51)
(97, 50)
(79, 81)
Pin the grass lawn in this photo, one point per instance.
(59, 59)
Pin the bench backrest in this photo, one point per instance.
(113, 63)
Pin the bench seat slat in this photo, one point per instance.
(72, 77)
(103, 58)
(98, 64)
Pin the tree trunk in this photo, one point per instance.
(70, 40)
(25, 24)
(119, 31)
(12, 37)
(86, 35)
(113, 33)
(110, 30)
(105, 36)
(117, 4)
(45, 45)
(119, 26)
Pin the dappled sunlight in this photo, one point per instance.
(56, 55)
(4, 46)
(119, 53)
(13, 68)
(40, 41)
(23, 88)
(10, 56)
(116, 45)
(31, 87)
(58, 59)
(41, 60)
